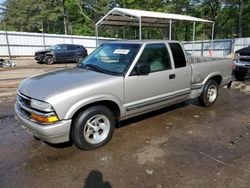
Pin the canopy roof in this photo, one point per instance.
(142, 18)
(130, 17)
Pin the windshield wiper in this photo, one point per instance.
(94, 67)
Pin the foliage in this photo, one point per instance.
(79, 17)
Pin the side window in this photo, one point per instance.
(156, 56)
(64, 47)
(79, 47)
(70, 47)
(178, 55)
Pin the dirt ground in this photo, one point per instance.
(184, 145)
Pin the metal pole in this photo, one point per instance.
(8, 45)
(212, 37)
(202, 48)
(71, 33)
(124, 34)
(43, 35)
(193, 38)
(140, 33)
(96, 33)
(7, 40)
(170, 30)
(117, 33)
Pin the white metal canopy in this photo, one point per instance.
(142, 18)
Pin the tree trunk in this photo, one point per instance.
(65, 20)
(241, 6)
(186, 32)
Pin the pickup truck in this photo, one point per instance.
(241, 63)
(117, 81)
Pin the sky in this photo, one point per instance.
(1, 1)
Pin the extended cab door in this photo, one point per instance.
(164, 85)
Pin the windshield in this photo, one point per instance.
(57, 47)
(111, 58)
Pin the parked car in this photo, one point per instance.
(61, 53)
(241, 63)
(117, 81)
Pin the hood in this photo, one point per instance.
(244, 51)
(43, 86)
(43, 51)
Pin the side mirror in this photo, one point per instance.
(142, 69)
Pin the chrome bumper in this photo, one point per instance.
(55, 133)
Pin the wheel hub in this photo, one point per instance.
(97, 129)
(212, 93)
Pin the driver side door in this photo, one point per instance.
(158, 88)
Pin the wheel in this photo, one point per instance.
(239, 75)
(79, 59)
(93, 128)
(209, 94)
(49, 60)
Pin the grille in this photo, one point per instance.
(23, 103)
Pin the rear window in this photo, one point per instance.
(178, 55)
(79, 47)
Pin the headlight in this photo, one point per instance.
(236, 56)
(43, 106)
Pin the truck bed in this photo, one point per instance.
(202, 67)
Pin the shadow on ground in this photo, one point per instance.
(95, 180)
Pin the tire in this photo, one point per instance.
(79, 59)
(239, 75)
(209, 94)
(93, 128)
(49, 60)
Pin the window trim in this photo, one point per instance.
(186, 64)
(133, 72)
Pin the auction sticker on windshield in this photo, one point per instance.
(121, 51)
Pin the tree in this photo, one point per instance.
(79, 16)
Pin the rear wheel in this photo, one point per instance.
(79, 59)
(93, 128)
(209, 94)
(49, 60)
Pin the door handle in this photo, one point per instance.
(172, 76)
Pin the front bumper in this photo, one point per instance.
(55, 133)
(39, 57)
(242, 66)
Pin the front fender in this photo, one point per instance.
(93, 99)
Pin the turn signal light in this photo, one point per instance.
(43, 119)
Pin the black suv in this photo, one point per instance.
(61, 53)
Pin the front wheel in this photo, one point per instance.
(93, 128)
(209, 94)
(49, 60)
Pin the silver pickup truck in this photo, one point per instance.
(117, 81)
